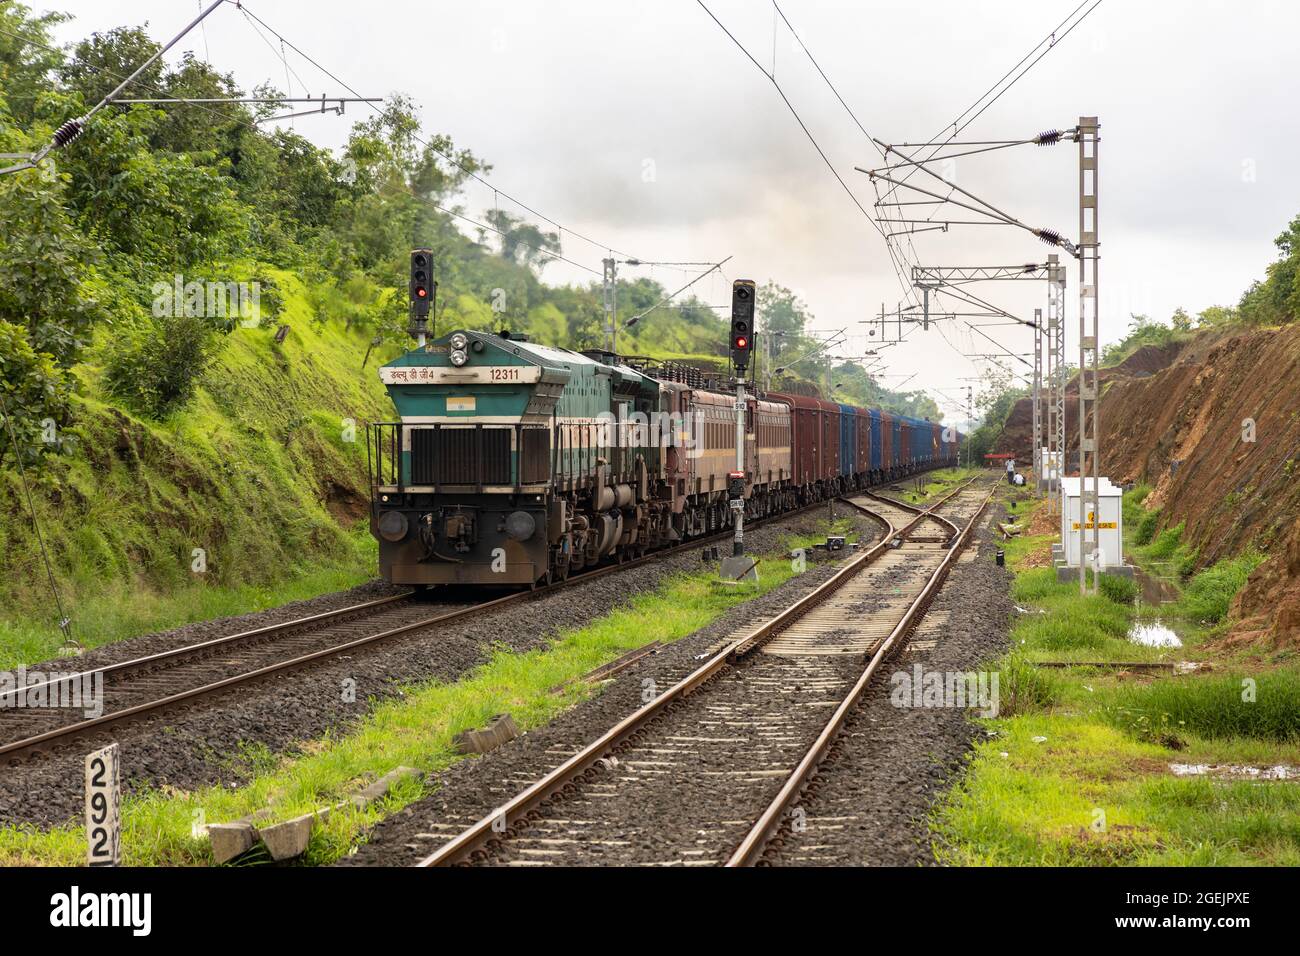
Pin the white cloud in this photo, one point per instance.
(568, 102)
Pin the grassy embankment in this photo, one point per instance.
(1078, 770)
(417, 731)
(264, 471)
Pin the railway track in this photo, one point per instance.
(190, 675)
(708, 771)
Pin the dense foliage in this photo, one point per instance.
(202, 193)
(996, 403)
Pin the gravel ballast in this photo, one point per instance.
(188, 749)
(925, 747)
(871, 798)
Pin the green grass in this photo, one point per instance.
(261, 471)
(1264, 706)
(1090, 794)
(936, 483)
(1119, 589)
(1165, 545)
(116, 611)
(1208, 595)
(1078, 770)
(415, 731)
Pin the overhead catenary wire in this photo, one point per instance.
(202, 105)
(716, 267)
(1051, 40)
(74, 127)
(368, 100)
(962, 122)
(795, 113)
(497, 192)
(889, 246)
(449, 157)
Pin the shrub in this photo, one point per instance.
(156, 368)
(1146, 526)
(1037, 584)
(1024, 688)
(1118, 589)
(1166, 542)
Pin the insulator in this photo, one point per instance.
(66, 133)
(1049, 138)
(1049, 236)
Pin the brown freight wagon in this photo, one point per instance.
(806, 418)
(829, 469)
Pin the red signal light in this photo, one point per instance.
(742, 342)
(421, 293)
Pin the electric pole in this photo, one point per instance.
(1036, 451)
(1089, 348)
(1055, 379)
(611, 303)
(970, 413)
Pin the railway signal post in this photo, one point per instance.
(422, 289)
(738, 567)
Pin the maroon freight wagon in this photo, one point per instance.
(829, 468)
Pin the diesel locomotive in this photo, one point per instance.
(514, 463)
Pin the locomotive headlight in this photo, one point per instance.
(459, 341)
(392, 525)
(459, 357)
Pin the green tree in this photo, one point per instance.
(103, 60)
(1276, 299)
(1216, 316)
(43, 262)
(36, 392)
(521, 242)
(27, 59)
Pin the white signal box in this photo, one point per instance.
(1051, 468)
(1108, 517)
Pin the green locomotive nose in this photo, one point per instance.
(501, 444)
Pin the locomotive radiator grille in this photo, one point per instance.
(460, 456)
(534, 455)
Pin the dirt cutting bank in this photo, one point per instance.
(1213, 425)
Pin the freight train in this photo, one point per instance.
(514, 463)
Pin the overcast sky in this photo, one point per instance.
(641, 125)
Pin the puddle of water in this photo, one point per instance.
(1280, 772)
(1152, 590)
(1153, 634)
